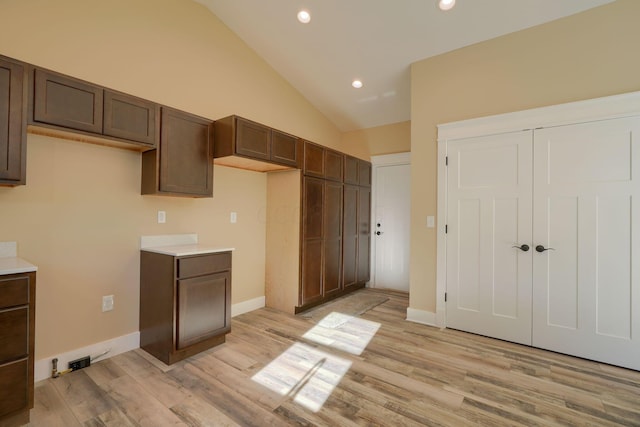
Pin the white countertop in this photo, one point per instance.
(183, 250)
(13, 265)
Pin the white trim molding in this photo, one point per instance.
(606, 108)
(376, 162)
(122, 344)
(247, 306)
(421, 316)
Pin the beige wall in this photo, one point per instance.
(585, 56)
(80, 216)
(388, 139)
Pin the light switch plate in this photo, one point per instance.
(107, 303)
(233, 218)
(431, 221)
(162, 217)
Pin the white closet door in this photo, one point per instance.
(587, 290)
(489, 211)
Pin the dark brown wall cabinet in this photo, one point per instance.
(182, 165)
(185, 303)
(17, 327)
(64, 102)
(236, 136)
(323, 162)
(13, 122)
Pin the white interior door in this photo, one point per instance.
(489, 184)
(391, 227)
(586, 290)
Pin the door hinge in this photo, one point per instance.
(445, 297)
(446, 161)
(446, 229)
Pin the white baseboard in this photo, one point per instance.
(247, 306)
(422, 316)
(42, 368)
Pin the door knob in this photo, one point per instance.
(378, 224)
(523, 248)
(379, 232)
(541, 248)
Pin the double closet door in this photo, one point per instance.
(543, 242)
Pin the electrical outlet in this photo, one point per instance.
(83, 362)
(162, 217)
(233, 218)
(107, 303)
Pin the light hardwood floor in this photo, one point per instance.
(408, 374)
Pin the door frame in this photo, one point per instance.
(609, 107)
(397, 159)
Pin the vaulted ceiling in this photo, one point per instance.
(375, 41)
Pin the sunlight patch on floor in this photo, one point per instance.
(305, 374)
(343, 332)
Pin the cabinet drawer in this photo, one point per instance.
(14, 334)
(14, 393)
(14, 292)
(203, 264)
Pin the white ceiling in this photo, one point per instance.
(372, 40)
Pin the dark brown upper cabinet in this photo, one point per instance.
(92, 113)
(313, 159)
(249, 145)
(131, 118)
(333, 165)
(285, 148)
(13, 122)
(67, 102)
(351, 170)
(357, 172)
(182, 165)
(364, 173)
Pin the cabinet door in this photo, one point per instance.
(186, 157)
(12, 123)
(350, 236)
(312, 236)
(313, 159)
(253, 139)
(131, 118)
(202, 308)
(364, 173)
(364, 234)
(332, 233)
(285, 148)
(351, 165)
(67, 102)
(333, 165)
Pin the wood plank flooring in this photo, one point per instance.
(268, 374)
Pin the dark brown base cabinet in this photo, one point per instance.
(17, 328)
(185, 303)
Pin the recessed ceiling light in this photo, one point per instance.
(357, 84)
(304, 16)
(446, 4)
